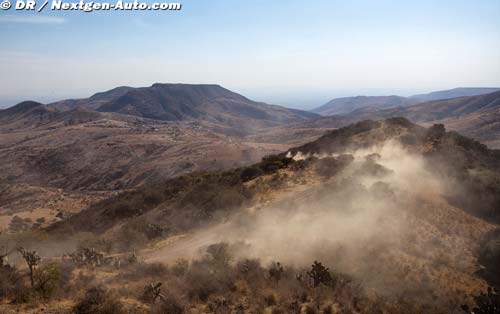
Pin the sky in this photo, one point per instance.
(294, 53)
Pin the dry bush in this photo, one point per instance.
(98, 300)
(204, 279)
(180, 267)
(9, 278)
(21, 293)
(168, 305)
(251, 271)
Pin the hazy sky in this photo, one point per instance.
(282, 51)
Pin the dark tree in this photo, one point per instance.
(276, 271)
(151, 293)
(32, 259)
(319, 274)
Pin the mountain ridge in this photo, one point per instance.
(346, 105)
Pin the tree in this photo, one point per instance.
(275, 271)
(219, 256)
(32, 259)
(46, 279)
(152, 292)
(319, 274)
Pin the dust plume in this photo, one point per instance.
(359, 221)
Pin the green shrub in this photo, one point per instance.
(46, 280)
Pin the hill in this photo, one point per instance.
(209, 103)
(93, 102)
(373, 201)
(475, 116)
(348, 104)
(454, 93)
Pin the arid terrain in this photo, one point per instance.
(182, 198)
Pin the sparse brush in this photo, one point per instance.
(98, 300)
(180, 267)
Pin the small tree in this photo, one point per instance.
(151, 293)
(319, 274)
(219, 255)
(32, 259)
(46, 279)
(276, 271)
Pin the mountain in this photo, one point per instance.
(27, 114)
(454, 93)
(209, 103)
(93, 102)
(347, 104)
(19, 109)
(475, 116)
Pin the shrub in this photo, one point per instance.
(151, 293)
(330, 166)
(154, 231)
(205, 278)
(17, 224)
(219, 256)
(32, 259)
(46, 280)
(9, 277)
(97, 300)
(276, 271)
(168, 305)
(272, 163)
(250, 269)
(319, 274)
(436, 132)
(251, 173)
(180, 267)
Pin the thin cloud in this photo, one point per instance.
(32, 19)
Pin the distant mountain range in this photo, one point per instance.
(211, 104)
(455, 92)
(474, 116)
(346, 105)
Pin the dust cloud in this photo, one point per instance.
(355, 221)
